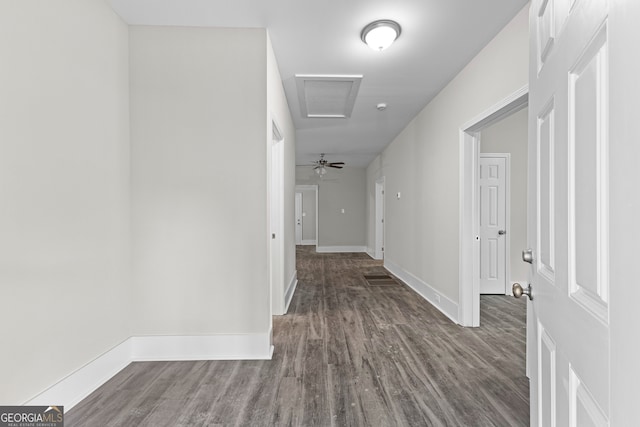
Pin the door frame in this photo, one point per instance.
(469, 253)
(276, 220)
(298, 210)
(379, 219)
(313, 188)
(507, 213)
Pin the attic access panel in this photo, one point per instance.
(327, 96)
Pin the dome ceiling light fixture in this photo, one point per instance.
(380, 34)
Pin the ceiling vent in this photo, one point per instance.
(327, 96)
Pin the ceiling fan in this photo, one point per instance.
(320, 166)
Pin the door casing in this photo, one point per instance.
(314, 188)
(469, 255)
(298, 217)
(276, 221)
(379, 219)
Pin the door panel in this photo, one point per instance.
(546, 184)
(584, 410)
(546, 377)
(588, 159)
(568, 210)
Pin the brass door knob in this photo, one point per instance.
(518, 291)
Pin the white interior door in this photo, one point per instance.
(568, 230)
(298, 218)
(492, 184)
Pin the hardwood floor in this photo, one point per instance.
(347, 354)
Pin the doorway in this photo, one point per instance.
(469, 258)
(308, 215)
(494, 217)
(298, 217)
(276, 221)
(379, 219)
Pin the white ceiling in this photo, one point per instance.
(323, 37)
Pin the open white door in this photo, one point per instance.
(568, 229)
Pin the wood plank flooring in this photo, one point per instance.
(347, 354)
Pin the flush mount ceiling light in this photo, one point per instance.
(380, 34)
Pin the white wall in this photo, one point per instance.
(510, 136)
(339, 189)
(198, 107)
(64, 186)
(76, 191)
(423, 163)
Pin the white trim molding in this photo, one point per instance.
(448, 307)
(202, 347)
(378, 223)
(311, 242)
(69, 391)
(288, 294)
(340, 249)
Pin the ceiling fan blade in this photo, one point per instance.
(336, 163)
(337, 167)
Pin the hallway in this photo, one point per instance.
(348, 353)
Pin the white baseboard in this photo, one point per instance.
(288, 295)
(201, 347)
(448, 307)
(336, 249)
(72, 389)
(308, 242)
(69, 391)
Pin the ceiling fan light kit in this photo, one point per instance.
(320, 166)
(380, 34)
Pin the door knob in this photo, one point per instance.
(501, 232)
(527, 256)
(518, 291)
